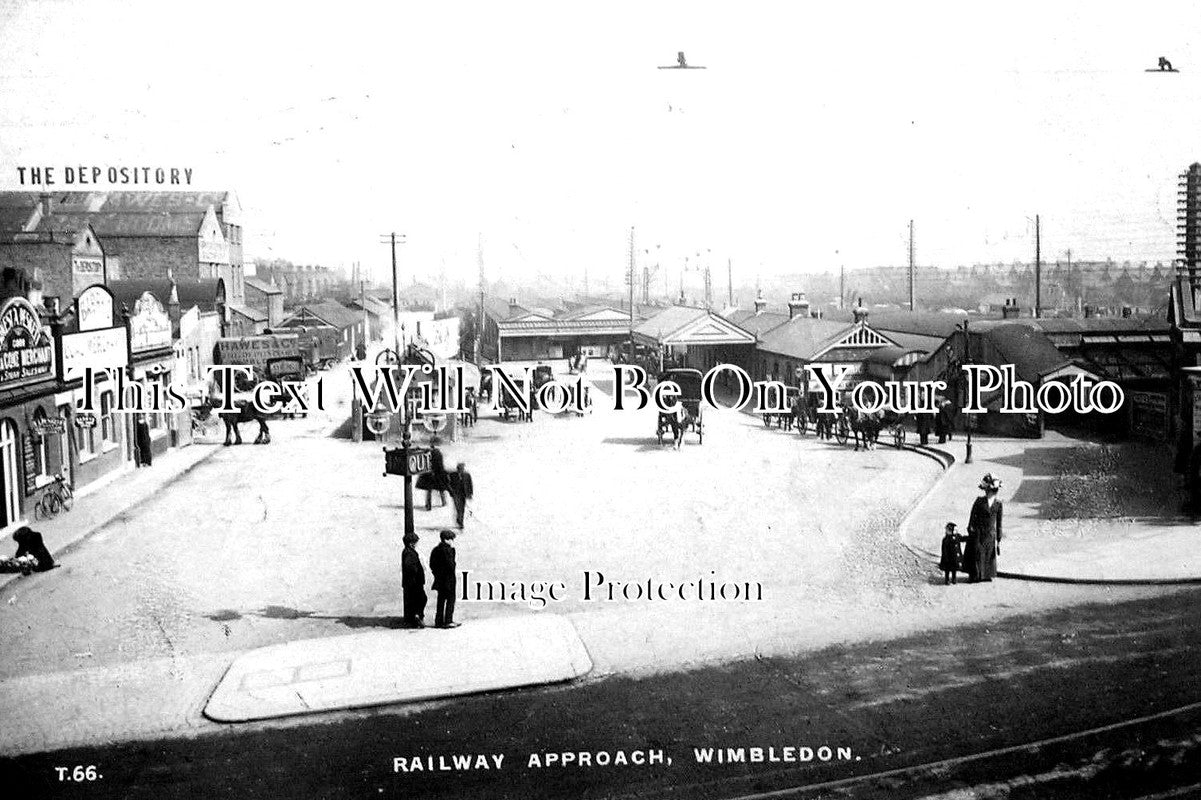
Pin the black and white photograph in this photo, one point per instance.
(520, 399)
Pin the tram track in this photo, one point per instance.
(938, 770)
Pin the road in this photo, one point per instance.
(297, 539)
(933, 697)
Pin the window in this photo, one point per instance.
(108, 428)
(41, 445)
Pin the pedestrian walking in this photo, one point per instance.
(435, 480)
(412, 583)
(984, 532)
(952, 554)
(461, 490)
(442, 565)
(923, 428)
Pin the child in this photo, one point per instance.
(952, 554)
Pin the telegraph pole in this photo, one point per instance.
(730, 282)
(631, 282)
(842, 286)
(479, 328)
(911, 304)
(1038, 268)
(392, 238)
(406, 439)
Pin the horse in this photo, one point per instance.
(246, 411)
(866, 425)
(678, 421)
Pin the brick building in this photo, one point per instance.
(145, 235)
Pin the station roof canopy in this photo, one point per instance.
(688, 326)
(560, 328)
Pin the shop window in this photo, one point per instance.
(85, 443)
(108, 427)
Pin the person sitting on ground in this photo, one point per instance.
(32, 555)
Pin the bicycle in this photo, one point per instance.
(57, 497)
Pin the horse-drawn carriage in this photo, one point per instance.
(688, 417)
(795, 415)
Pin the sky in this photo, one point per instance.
(545, 132)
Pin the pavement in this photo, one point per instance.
(113, 496)
(382, 667)
(1135, 538)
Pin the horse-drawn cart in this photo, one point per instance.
(689, 416)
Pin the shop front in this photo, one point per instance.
(35, 449)
(100, 341)
(151, 370)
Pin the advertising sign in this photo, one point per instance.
(257, 351)
(97, 349)
(26, 351)
(94, 309)
(150, 326)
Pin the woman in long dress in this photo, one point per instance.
(984, 532)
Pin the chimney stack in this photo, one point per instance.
(798, 306)
(47, 204)
(1011, 309)
(760, 303)
(860, 312)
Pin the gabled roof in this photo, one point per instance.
(204, 294)
(330, 313)
(262, 286)
(1030, 352)
(806, 338)
(109, 225)
(686, 325)
(759, 323)
(374, 305)
(252, 314)
(595, 312)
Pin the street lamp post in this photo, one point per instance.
(967, 359)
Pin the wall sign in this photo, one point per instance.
(97, 349)
(26, 352)
(94, 309)
(30, 462)
(149, 327)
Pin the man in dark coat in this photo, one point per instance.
(442, 565)
(944, 425)
(923, 428)
(434, 480)
(461, 490)
(412, 583)
(984, 533)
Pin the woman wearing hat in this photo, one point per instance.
(984, 532)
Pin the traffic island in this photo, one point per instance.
(398, 666)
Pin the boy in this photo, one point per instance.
(952, 554)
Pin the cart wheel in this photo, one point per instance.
(841, 434)
(38, 511)
(767, 420)
(801, 425)
(900, 437)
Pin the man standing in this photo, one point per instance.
(412, 583)
(442, 564)
(461, 491)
